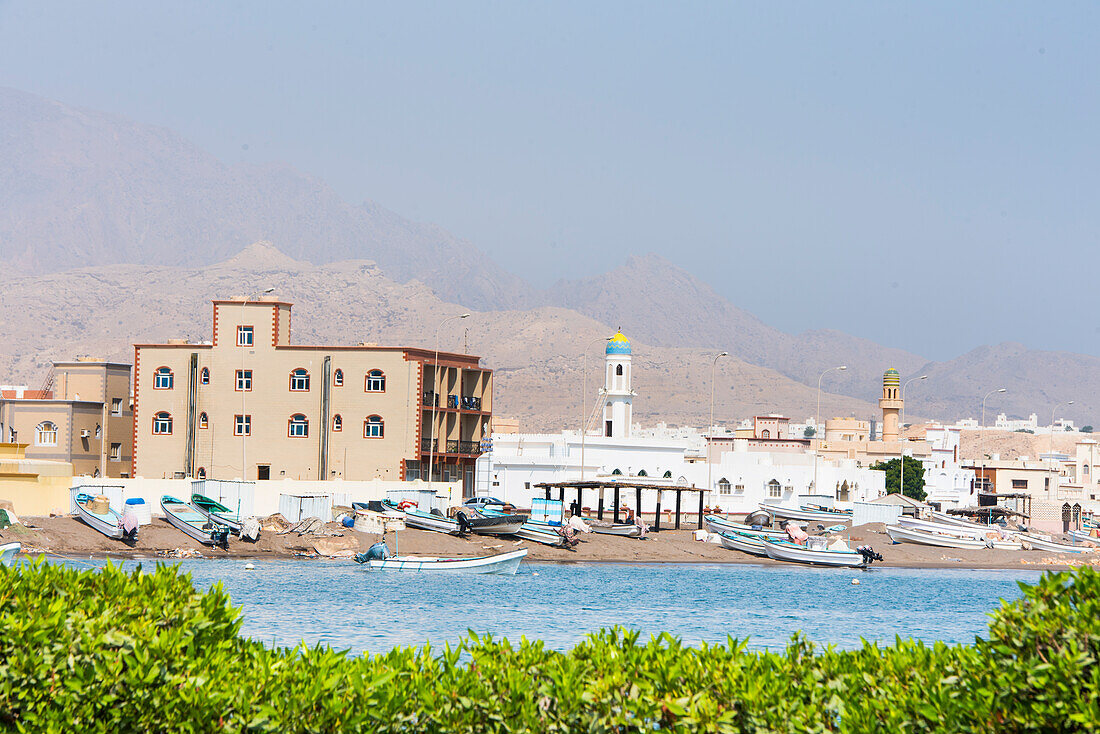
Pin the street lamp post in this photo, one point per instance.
(584, 396)
(1050, 453)
(901, 477)
(244, 393)
(710, 426)
(981, 433)
(435, 393)
(817, 416)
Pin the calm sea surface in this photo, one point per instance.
(338, 603)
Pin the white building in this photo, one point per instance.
(739, 478)
(946, 481)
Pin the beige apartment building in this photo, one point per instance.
(80, 416)
(251, 404)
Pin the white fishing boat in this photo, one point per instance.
(420, 520)
(1046, 544)
(182, 516)
(1083, 535)
(216, 511)
(719, 525)
(7, 553)
(838, 555)
(539, 534)
(489, 523)
(622, 529)
(751, 544)
(975, 531)
(805, 515)
(99, 516)
(900, 534)
(504, 564)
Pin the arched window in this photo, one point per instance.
(668, 474)
(45, 434)
(201, 473)
(765, 433)
(643, 473)
(204, 421)
(338, 378)
(162, 424)
(204, 376)
(298, 426)
(299, 380)
(774, 489)
(1086, 470)
(619, 370)
(337, 423)
(617, 472)
(162, 379)
(723, 486)
(372, 427)
(376, 381)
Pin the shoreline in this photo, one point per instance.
(66, 536)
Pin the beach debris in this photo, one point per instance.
(177, 553)
(332, 545)
(249, 567)
(855, 582)
(275, 523)
(250, 530)
(701, 535)
(491, 547)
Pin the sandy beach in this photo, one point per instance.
(69, 537)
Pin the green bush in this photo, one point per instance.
(136, 652)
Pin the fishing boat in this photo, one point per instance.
(751, 544)
(186, 518)
(103, 518)
(1046, 544)
(502, 564)
(839, 555)
(485, 524)
(416, 518)
(719, 525)
(622, 529)
(7, 553)
(900, 534)
(928, 526)
(1083, 535)
(217, 512)
(805, 514)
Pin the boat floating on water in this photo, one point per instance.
(185, 517)
(378, 559)
(96, 512)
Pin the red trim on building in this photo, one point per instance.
(134, 414)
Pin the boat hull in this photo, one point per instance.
(109, 524)
(425, 521)
(504, 564)
(187, 519)
(784, 551)
(538, 534)
(900, 534)
(222, 518)
(744, 543)
(797, 513)
(621, 529)
(719, 525)
(7, 553)
(1052, 547)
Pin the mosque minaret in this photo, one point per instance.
(891, 404)
(617, 393)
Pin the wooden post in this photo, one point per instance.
(638, 502)
(615, 517)
(580, 503)
(701, 494)
(599, 506)
(679, 493)
(547, 493)
(657, 516)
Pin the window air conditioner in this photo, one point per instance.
(85, 433)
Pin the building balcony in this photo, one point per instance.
(430, 399)
(425, 445)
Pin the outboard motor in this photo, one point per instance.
(869, 555)
(463, 522)
(377, 552)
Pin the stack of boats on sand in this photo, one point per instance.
(945, 531)
(785, 540)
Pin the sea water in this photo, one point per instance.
(341, 604)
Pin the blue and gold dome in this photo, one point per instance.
(618, 344)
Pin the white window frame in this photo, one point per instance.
(244, 380)
(162, 426)
(242, 425)
(246, 336)
(163, 378)
(375, 383)
(775, 489)
(116, 452)
(297, 429)
(299, 379)
(116, 406)
(45, 436)
(374, 429)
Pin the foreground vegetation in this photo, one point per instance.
(135, 652)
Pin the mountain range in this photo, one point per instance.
(113, 231)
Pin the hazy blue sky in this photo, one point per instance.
(924, 175)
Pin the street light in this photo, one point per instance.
(1050, 453)
(817, 415)
(435, 393)
(244, 393)
(584, 396)
(981, 433)
(901, 478)
(710, 428)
